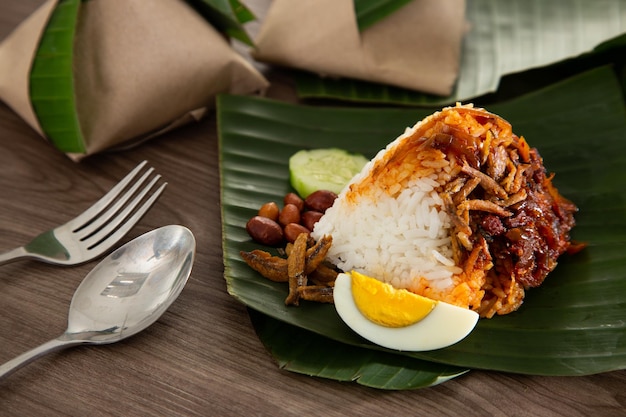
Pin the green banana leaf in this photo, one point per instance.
(303, 352)
(52, 79)
(227, 16)
(506, 37)
(369, 12)
(572, 325)
(312, 86)
(241, 12)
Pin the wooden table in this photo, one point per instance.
(202, 357)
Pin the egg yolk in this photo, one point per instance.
(388, 306)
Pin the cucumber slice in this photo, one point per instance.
(323, 169)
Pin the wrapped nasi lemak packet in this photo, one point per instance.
(138, 69)
(417, 47)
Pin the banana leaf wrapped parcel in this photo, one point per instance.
(136, 70)
(417, 47)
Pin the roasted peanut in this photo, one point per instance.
(293, 198)
(309, 218)
(320, 200)
(293, 230)
(289, 214)
(269, 210)
(265, 231)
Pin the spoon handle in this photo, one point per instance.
(29, 356)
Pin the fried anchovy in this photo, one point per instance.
(318, 293)
(488, 183)
(317, 253)
(275, 267)
(296, 263)
(323, 275)
(483, 205)
(271, 267)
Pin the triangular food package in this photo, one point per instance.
(139, 69)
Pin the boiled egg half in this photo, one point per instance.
(396, 318)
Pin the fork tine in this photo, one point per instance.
(103, 245)
(119, 225)
(94, 224)
(101, 204)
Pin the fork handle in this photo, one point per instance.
(13, 255)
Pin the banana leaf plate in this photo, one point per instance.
(574, 324)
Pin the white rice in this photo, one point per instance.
(398, 239)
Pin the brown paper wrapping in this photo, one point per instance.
(417, 47)
(139, 68)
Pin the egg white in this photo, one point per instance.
(446, 324)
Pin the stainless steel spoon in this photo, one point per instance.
(125, 293)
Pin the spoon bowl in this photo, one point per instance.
(125, 293)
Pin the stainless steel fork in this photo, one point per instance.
(97, 229)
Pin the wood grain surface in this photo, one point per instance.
(202, 357)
